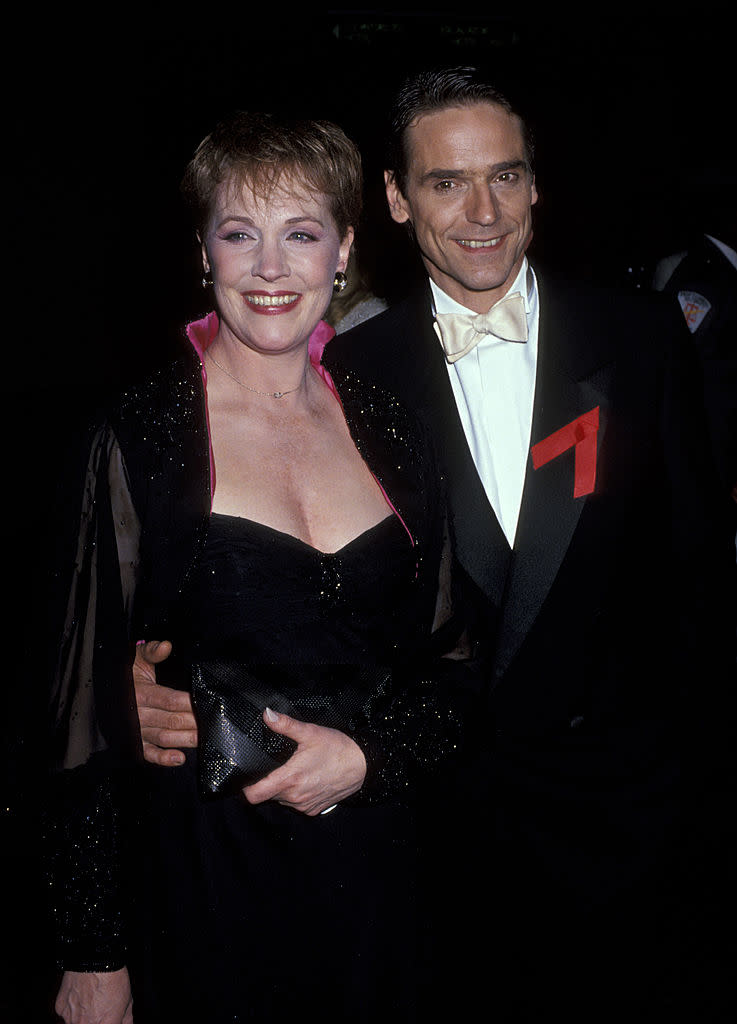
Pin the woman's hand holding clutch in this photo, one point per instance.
(327, 767)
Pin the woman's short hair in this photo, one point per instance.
(256, 150)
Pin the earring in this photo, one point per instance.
(207, 279)
(340, 281)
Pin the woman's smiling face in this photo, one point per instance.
(273, 260)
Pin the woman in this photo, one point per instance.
(253, 508)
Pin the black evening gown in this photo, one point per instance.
(259, 913)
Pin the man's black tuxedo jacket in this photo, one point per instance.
(599, 643)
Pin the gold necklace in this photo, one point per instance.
(266, 394)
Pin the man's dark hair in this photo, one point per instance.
(436, 90)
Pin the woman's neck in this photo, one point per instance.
(268, 375)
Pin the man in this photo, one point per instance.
(703, 280)
(587, 561)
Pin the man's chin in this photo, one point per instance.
(478, 294)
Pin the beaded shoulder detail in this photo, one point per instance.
(387, 436)
(164, 407)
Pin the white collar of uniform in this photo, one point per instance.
(525, 283)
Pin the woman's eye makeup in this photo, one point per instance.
(234, 235)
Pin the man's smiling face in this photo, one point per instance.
(469, 197)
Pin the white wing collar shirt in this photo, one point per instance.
(493, 381)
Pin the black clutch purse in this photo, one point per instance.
(236, 748)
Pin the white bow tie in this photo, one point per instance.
(460, 332)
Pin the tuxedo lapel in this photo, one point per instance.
(566, 389)
(479, 542)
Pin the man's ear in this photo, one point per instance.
(398, 206)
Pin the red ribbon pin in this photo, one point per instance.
(581, 435)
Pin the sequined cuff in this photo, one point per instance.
(84, 870)
(75, 959)
(407, 743)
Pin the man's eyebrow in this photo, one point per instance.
(443, 173)
(509, 165)
(439, 174)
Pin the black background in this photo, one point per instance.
(634, 119)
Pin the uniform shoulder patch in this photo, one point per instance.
(695, 307)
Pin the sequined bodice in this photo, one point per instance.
(260, 595)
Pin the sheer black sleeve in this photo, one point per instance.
(93, 723)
